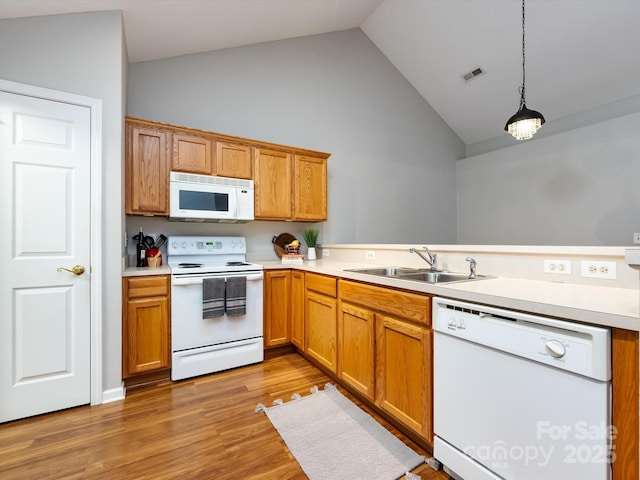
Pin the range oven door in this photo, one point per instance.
(189, 330)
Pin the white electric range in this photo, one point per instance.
(202, 345)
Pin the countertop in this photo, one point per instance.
(606, 306)
(142, 271)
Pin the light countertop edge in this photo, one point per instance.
(143, 271)
(605, 306)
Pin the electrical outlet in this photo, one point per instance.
(370, 254)
(562, 267)
(636, 237)
(595, 269)
(325, 252)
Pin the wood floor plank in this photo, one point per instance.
(201, 428)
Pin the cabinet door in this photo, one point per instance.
(310, 188)
(277, 287)
(146, 172)
(273, 184)
(403, 375)
(297, 309)
(356, 348)
(146, 335)
(233, 160)
(321, 329)
(191, 154)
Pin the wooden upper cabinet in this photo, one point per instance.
(146, 171)
(233, 160)
(272, 174)
(310, 188)
(191, 154)
(290, 183)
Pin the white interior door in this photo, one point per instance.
(45, 314)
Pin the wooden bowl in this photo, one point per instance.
(280, 243)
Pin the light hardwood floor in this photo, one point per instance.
(202, 428)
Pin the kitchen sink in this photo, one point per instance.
(386, 271)
(418, 275)
(439, 277)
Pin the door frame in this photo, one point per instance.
(95, 270)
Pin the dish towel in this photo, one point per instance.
(236, 296)
(213, 297)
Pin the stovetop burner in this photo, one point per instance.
(202, 255)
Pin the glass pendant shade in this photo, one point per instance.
(525, 123)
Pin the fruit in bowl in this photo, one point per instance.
(293, 247)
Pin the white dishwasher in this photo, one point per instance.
(520, 397)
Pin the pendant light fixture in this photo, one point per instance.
(525, 123)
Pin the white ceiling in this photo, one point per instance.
(580, 54)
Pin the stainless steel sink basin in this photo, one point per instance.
(386, 271)
(418, 275)
(440, 277)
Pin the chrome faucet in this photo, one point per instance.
(431, 258)
(472, 267)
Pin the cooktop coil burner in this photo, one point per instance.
(189, 265)
(236, 264)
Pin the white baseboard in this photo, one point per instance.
(113, 394)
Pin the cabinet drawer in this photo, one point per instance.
(148, 286)
(321, 284)
(410, 306)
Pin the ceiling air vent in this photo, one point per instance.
(475, 73)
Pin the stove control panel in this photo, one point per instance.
(206, 245)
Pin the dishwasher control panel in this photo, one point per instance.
(578, 348)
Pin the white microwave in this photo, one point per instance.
(205, 198)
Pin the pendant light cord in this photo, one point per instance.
(522, 101)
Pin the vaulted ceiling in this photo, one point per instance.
(580, 54)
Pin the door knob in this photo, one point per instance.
(76, 269)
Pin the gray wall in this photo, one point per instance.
(392, 168)
(580, 187)
(82, 54)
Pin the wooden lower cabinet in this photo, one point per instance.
(321, 330)
(146, 326)
(321, 320)
(385, 351)
(277, 291)
(297, 309)
(356, 348)
(625, 405)
(403, 380)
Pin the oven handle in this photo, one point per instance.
(198, 281)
